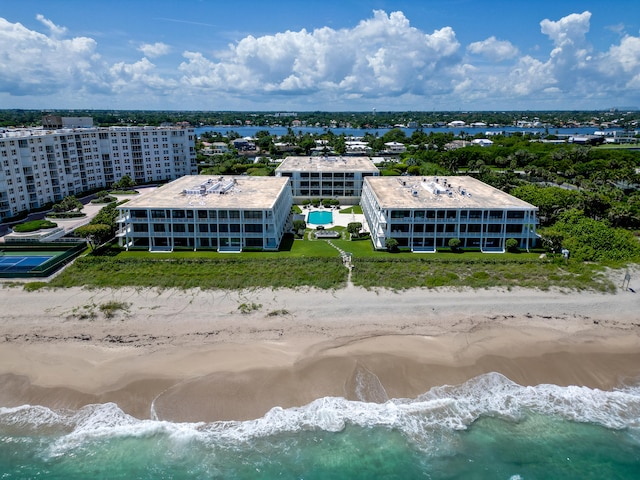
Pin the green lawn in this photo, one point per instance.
(357, 209)
(617, 146)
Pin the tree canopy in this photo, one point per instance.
(68, 204)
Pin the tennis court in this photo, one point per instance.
(28, 260)
(21, 263)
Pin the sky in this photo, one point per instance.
(311, 55)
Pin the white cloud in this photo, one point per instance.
(624, 58)
(32, 63)
(154, 50)
(56, 30)
(494, 49)
(381, 59)
(382, 55)
(569, 30)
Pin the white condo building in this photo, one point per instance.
(327, 177)
(424, 213)
(198, 211)
(40, 166)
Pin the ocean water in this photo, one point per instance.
(487, 428)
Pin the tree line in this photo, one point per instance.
(357, 119)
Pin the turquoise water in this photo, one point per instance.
(320, 217)
(487, 428)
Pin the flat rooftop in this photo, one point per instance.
(440, 192)
(43, 131)
(327, 164)
(214, 192)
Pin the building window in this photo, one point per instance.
(253, 215)
(253, 228)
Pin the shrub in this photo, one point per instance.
(512, 245)
(454, 244)
(34, 226)
(354, 229)
(391, 244)
(125, 183)
(33, 286)
(111, 308)
(104, 199)
(246, 308)
(68, 204)
(299, 227)
(123, 192)
(66, 214)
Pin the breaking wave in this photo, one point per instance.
(423, 419)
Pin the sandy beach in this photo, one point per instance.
(217, 355)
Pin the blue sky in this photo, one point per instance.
(348, 55)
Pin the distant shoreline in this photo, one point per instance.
(194, 355)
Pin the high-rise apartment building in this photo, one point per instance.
(39, 166)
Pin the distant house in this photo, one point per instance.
(456, 124)
(284, 147)
(219, 148)
(455, 144)
(587, 139)
(394, 148)
(214, 148)
(482, 142)
(243, 144)
(357, 147)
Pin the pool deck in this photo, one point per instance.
(339, 219)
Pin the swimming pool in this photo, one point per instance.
(320, 217)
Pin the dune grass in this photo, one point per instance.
(480, 273)
(206, 273)
(315, 263)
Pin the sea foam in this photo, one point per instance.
(423, 419)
